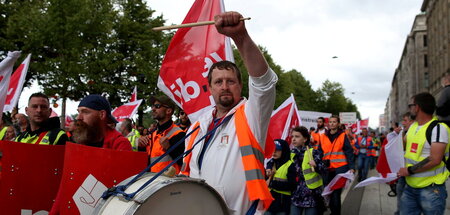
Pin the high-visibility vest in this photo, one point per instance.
(369, 152)
(413, 155)
(313, 179)
(252, 158)
(157, 150)
(334, 151)
(133, 139)
(281, 175)
(43, 138)
(315, 140)
(3, 132)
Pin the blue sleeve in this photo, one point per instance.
(348, 151)
(370, 145)
(357, 144)
(320, 166)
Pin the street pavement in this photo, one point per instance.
(372, 199)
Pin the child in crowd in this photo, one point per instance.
(281, 175)
(307, 198)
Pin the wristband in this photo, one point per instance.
(410, 171)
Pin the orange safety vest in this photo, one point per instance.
(252, 158)
(334, 151)
(369, 152)
(316, 137)
(157, 150)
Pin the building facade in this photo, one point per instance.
(438, 25)
(411, 75)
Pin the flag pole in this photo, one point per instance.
(187, 25)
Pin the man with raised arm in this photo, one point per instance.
(231, 158)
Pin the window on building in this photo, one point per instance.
(426, 80)
(425, 41)
(425, 60)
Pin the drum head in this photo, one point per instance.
(168, 196)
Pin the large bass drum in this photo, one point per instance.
(166, 196)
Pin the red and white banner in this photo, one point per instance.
(358, 126)
(390, 161)
(283, 119)
(30, 177)
(6, 68)
(339, 181)
(192, 51)
(89, 171)
(134, 95)
(127, 110)
(16, 85)
(53, 114)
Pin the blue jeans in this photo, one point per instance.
(427, 200)
(401, 183)
(363, 166)
(306, 211)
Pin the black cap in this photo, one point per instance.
(98, 102)
(164, 100)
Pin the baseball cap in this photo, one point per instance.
(278, 145)
(163, 100)
(98, 102)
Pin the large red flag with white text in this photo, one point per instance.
(192, 51)
(283, 119)
(16, 84)
(127, 110)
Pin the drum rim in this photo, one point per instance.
(143, 195)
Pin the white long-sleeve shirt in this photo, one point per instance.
(222, 166)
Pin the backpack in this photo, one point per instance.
(428, 136)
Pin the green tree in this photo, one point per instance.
(332, 99)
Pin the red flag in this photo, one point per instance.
(283, 119)
(342, 180)
(6, 67)
(191, 53)
(16, 84)
(89, 171)
(127, 110)
(30, 177)
(68, 120)
(134, 95)
(391, 157)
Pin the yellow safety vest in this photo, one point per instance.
(133, 138)
(3, 132)
(312, 179)
(281, 175)
(413, 155)
(45, 140)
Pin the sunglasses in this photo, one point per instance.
(182, 113)
(158, 106)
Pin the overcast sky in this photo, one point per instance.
(367, 36)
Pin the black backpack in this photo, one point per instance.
(428, 136)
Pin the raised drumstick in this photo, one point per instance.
(187, 25)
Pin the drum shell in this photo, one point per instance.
(181, 195)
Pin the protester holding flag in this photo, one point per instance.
(307, 198)
(43, 129)
(338, 157)
(231, 158)
(425, 171)
(282, 174)
(164, 136)
(94, 115)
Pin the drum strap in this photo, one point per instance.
(253, 207)
(120, 190)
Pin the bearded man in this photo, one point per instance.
(94, 115)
